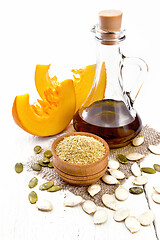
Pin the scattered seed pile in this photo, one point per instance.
(151, 136)
(80, 149)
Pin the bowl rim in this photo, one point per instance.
(57, 140)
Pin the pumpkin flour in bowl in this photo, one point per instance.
(79, 149)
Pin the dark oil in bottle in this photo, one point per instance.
(110, 120)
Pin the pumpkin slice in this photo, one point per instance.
(83, 80)
(42, 79)
(50, 115)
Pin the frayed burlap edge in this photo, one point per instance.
(151, 136)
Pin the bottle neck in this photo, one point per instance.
(112, 57)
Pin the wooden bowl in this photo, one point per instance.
(78, 174)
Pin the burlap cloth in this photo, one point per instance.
(151, 136)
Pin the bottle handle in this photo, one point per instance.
(132, 91)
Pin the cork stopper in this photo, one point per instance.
(110, 20)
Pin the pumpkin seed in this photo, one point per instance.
(32, 197)
(112, 164)
(157, 188)
(122, 159)
(121, 214)
(110, 179)
(46, 185)
(100, 216)
(109, 201)
(134, 156)
(72, 201)
(48, 154)
(138, 141)
(155, 197)
(50, 165)
(147, 218)
(37, 149)
(33, 182)
(121, 193)
(154, 149)
(136, 190)
(94, 189)
(140, 180)
(136, 170)
(42, 164)
(54, 188)
(44, 205)
(89, 206)
(116, 173)
(36, 167)
(148, 170)
(157, 167)
(132, 224)
(18, 167)
(46, 160)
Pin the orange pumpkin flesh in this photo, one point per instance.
(83, 80)
(51, 115)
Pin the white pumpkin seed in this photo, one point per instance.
(136, 170)
(138, 141)
(112, 164)
(121, 193)
(94, 189)
(100, 216)
(147, 218)
(157, 188)
(132, 224)
(116, 173)
(156, 197)
(44, 205)
(110, 179)
(154, 149)
(72, 201)
(109, 201)
(121, 214)
(134, 156)
(89, 206)
(140, 180)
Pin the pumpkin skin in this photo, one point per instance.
(83, 80)
(53, 113)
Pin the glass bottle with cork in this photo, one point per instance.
(114, 117)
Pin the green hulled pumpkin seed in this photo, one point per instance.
(50, 165)
(37, 149)
(43, 164)
(46, 185)
(33, 197)
(54, 188)
(33, 182)
(46, 160)
(36, 167)
(136, 190)
(157, 167)
(48, 154)
(18, 167)
(148, 170)
(122, 159)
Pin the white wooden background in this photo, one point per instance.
(55, 32)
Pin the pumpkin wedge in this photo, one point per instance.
(50, 115)
(83, 80)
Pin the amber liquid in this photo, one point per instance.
(110, 120)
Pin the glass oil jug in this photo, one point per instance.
(113, 118)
